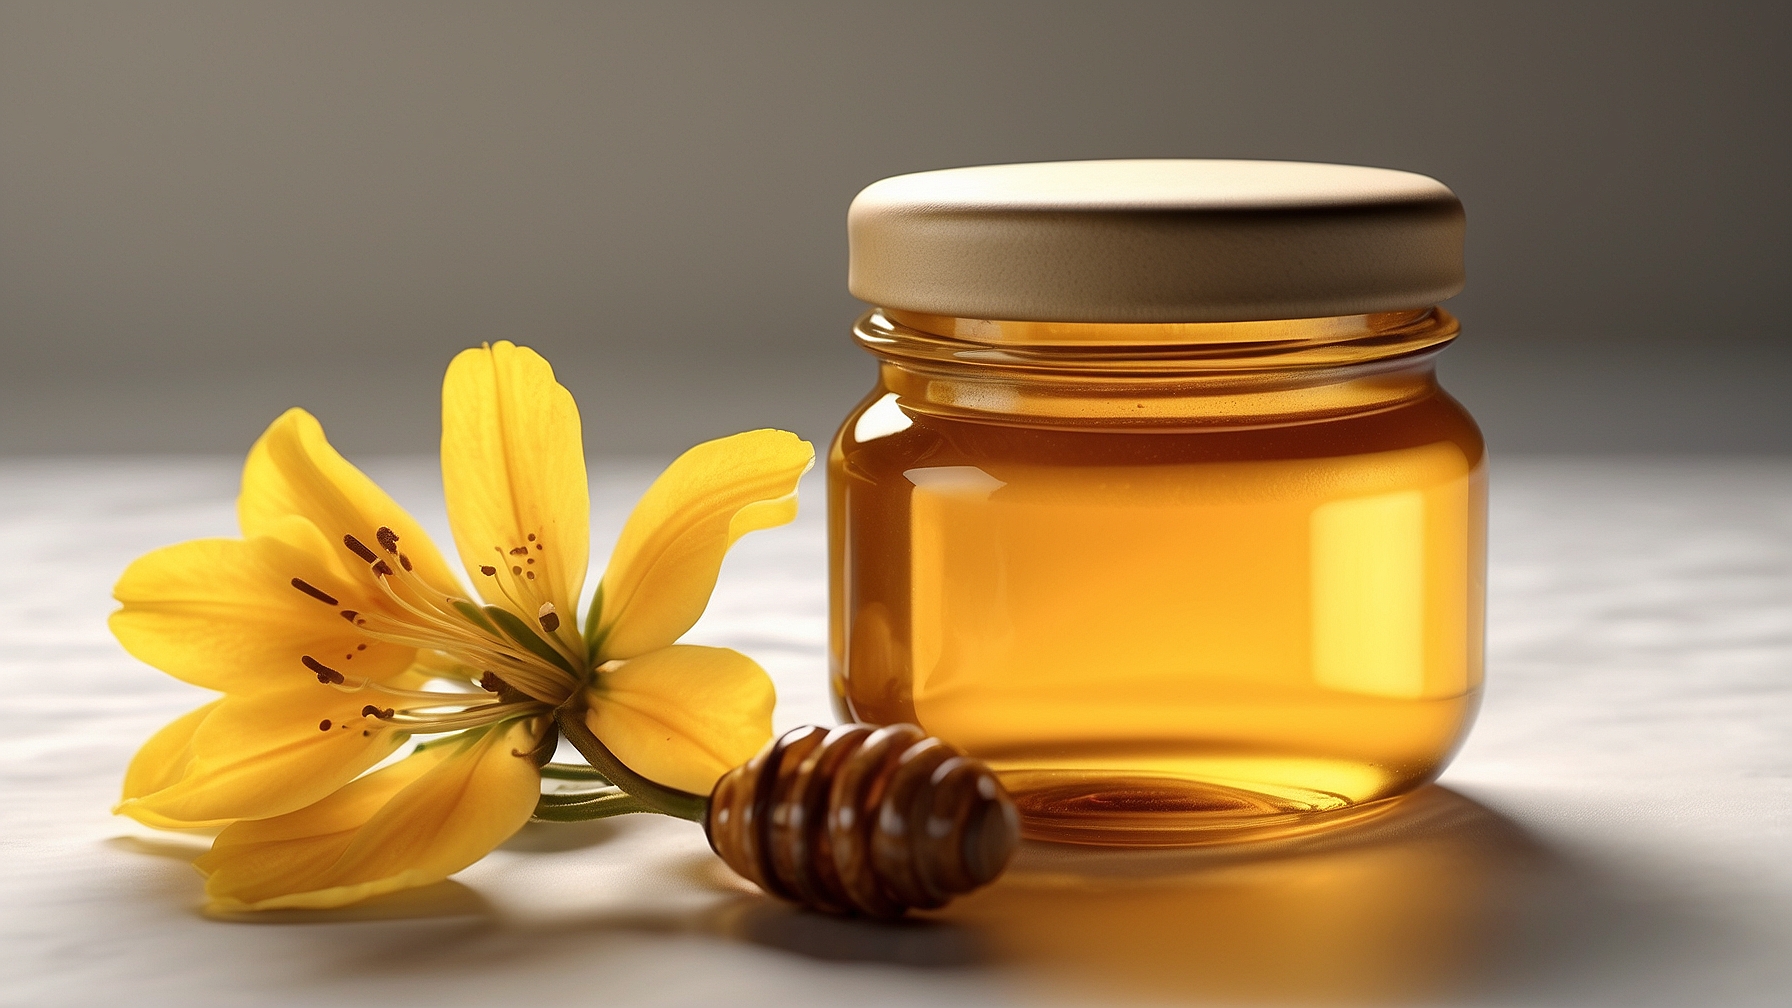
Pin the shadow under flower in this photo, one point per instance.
(1441, 900)
(441, 900)
(445, 899)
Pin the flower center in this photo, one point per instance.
(530, 672)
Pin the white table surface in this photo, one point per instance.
(1614, 832)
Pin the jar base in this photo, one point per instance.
(1152, 811)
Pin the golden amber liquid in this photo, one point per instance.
(1167, 636)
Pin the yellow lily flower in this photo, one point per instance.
(336, 631)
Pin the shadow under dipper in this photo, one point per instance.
(1441, 900)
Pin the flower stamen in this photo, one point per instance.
(388, 541)
(459, 641)
(418, 721)
(313, 591)
(425, 617)
(325, 674)
(429, 698)
(533, 600)
(356, 547)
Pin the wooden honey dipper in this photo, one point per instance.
(855, 819)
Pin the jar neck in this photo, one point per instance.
(1170, 376)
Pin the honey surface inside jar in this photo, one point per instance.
(1162, 637)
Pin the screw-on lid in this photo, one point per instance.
(1155, 241)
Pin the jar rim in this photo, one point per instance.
(1143, 349)
(1016, 332)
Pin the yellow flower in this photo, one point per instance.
(336, 631)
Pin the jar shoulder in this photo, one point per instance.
(883, 435)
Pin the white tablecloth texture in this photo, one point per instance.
(1615, 831)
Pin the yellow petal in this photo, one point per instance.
(162, 761)
(683, 715)
(411, 824)
(665, 564)
(266, 754)
(293, 470)
(513, 468)
(225, 614)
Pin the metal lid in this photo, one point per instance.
(1155, 241)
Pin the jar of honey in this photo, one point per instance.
(1157, 506)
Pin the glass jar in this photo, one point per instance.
(1177, 578)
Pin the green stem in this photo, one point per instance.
(657, 797)
(572, 771)
(583, 806)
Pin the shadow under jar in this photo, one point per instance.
(1157, 507)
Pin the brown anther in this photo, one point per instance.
(488, 571)
(371, 711)
(324, 725)
(491, 683)
(549, 621)
(355, 546)
(388, 539)
(300, 584)
(382, 570)
(404, 561)
(519, 551)
(325, 674)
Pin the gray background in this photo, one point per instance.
(212, 211)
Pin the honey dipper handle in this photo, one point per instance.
(655, 796)
(864, 820)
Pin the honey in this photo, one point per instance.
(1175, 582)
